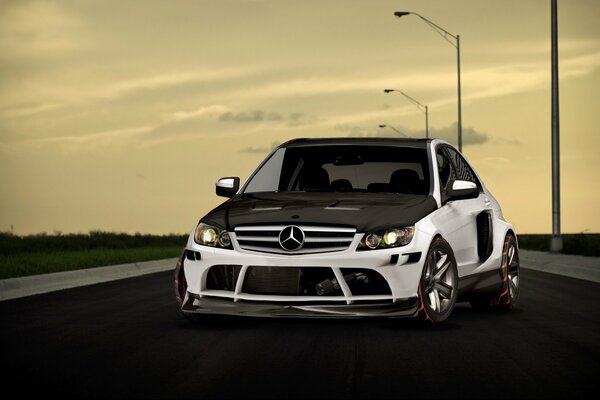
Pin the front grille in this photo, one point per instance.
(272, 280)
(318, 239)
(298, 281)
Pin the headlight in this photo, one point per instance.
(372, 240)
(209, 235)
(392, 237)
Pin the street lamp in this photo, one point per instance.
(391, 127)
(445, 34)
(556, 242)
(420, 106)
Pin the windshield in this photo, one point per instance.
(344, 168)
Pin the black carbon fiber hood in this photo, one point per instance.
(366, 211)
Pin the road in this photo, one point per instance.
(126, 339)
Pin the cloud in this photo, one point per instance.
(92, 139)
(260, 149)
(493, 160)
(376, 131)
(210, 111)
(254, 116)
(478, 83)
(35, 28)
(53, 97)
(298, 119)
(449, 133)
(507, 141)
(166, 80)
(203, 119)
(363, 131)
(26, 111)
(292, 119)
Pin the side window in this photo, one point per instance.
(445, 168)
(463, 170)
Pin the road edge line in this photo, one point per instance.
(14, 288)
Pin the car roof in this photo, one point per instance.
(376, 141)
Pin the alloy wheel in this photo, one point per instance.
(439, 282)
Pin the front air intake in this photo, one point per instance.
(223, 277)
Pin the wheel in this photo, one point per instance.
(507, 296)
(439, 282)
(509, 271)
(181, 289)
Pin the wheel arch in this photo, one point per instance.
(512, 232)
(437, 236)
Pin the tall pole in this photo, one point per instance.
(556, 240)
(427, 122)
(459, 94)
(444, 33)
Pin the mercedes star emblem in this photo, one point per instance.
(291, 238)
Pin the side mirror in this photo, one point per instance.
(228, 187)
(458, 190)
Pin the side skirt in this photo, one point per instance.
(479, 284)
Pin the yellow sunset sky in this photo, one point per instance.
(121, 115)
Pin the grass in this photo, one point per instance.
(43, 253)
(23, 264)
(585, 244)
(42, 242)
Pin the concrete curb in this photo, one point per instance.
(587, 268)
(29, 285)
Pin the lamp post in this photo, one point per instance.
(445, 34)
(420, 106)
(556, 242)
(391, 127)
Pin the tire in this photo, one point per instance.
(508, 295)
(438, 287)
(181, 289)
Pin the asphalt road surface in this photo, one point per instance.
(127, 339)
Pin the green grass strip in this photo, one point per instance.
(23, 264)
(584, 244)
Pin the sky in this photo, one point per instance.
(121, 116)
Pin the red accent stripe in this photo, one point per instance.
(422, 308)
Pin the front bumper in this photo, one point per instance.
(397, 267)
(207, 305)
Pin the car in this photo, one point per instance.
(351, 227)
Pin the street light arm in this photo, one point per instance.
(412, 100)
(415, 102)
(441, 31)
(420, 106)
(396, 130)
